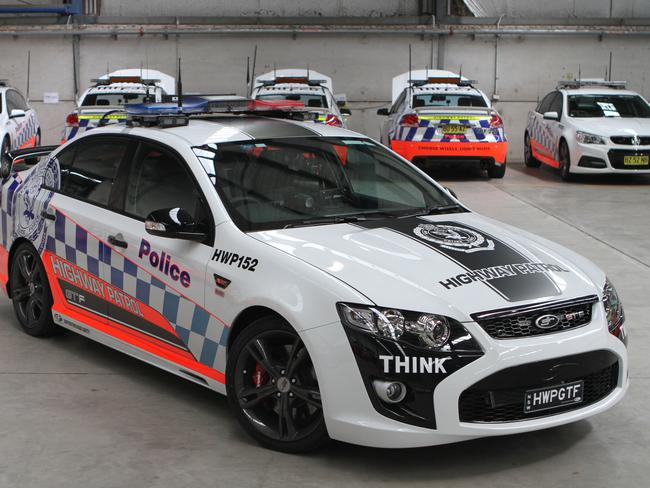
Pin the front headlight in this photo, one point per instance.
(419, 329)
(587, 138)
(613, 308)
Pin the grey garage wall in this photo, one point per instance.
(361, 66)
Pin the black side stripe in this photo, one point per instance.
(489, 251)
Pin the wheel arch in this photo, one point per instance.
(247, 317)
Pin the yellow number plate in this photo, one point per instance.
(636, 160)
(454, 129)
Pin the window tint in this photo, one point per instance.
(15, 101)
(556, 104)
(546, 102)
(448, 100)
(93, 170)
(65, 159)
(159, 180)
(607, 105)
(398, 103)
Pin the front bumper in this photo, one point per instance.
(351, 417)
(495, 151)
(606, 158)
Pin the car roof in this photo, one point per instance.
(121, 88)
(446, 88)
(290, 87)
(597, 91)
(221, 129)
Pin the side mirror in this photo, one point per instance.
(346, 111)
(382, 111)
(451, 192)
(6, 166)
(173, 223)
(17, 113)
(551, 116)
(341, 99)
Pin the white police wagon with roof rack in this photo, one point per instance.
(313, 89)
(590, 126)
(439, 117)
(327, 286)
(112, 91)
(19, 126)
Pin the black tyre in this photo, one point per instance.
(565, 162)
(497, 171)
(30, 292)
(5, 147)
(38, 138)
(529, 159)
(272, 388)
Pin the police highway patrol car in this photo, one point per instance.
(311, 88)
(327, 286)
(111, 92)
(590, 126)
(439, 117)
(19, 127)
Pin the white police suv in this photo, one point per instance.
(19, 127)
(326, 285)
(590, 126)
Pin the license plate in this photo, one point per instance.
(553, 396)
(636, 160)
(454, 129)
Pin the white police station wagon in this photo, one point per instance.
(327, 286)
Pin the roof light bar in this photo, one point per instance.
(619, 85)
(124, 79)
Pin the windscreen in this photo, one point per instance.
(112, 99)
(293, 182)
(608, 106)
(310, 100)
(448, 100)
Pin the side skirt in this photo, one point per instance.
(107, 340)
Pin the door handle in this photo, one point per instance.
(118, 241)
(48, 214)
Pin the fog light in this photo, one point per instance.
(390, 391)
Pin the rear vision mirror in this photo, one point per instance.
(173, 223)
(551, 116)
(382, 111)
(346, 111)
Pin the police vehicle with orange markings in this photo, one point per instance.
(19, 126)
(104, 100)
(330, 288)
(313, 89)
(439, 117)
(590, 126)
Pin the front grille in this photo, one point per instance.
(617, 158)
(507, 405)
(629, 140)
(521, 321)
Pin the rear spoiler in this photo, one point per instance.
(27, 156)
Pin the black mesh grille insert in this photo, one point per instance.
(512, 323)
(629, 140)
(507, 405)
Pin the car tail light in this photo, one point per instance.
(72, 120)
(496, 122)
(333, 120)
(410, 120)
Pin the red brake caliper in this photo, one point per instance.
(260, 376)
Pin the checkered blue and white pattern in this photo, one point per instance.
(478, 130)
(203, 333)
(26, 130)
(538, 131)
(6, 210)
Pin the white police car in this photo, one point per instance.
(439, 117)
(590, 126)
(19, 127)
(313, 89)
(111, 92)
(327, 286)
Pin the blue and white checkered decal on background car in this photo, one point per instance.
(477, 130)
(538, 131)
(204, 334)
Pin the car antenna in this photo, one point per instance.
(248, 72)
(250, 87)
(29, 61)
(410, 84)
(179, 88)
(610, 66)
(579, 74)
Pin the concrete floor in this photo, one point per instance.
(76, 414)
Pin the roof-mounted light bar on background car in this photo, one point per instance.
(170, 114)
(456, 80)
(124, 79)
(300, 80)
(572, 84)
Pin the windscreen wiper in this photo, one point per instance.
(441, 209)
(326, 221)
